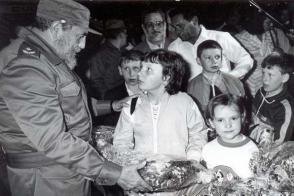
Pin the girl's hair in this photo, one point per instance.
(225, 100)
(173, 66)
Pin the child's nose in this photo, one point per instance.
(214, 61)
(228, 123)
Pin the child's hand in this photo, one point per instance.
(119, 104)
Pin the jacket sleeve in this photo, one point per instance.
(123, 134)
(284, 123)
(28, 88)
(197, 132)
(237, 55)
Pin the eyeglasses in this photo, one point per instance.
(157, 24)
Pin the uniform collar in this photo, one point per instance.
(42, 45)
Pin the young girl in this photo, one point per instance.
(165, 121)
(226, 114)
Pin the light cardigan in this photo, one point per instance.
(232, 52)
(180, 129)
(199, 87)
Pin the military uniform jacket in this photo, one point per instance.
(43, 108)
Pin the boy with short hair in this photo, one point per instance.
(212, 81)
(129, 68)
(273, 105)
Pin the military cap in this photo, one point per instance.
(67, 10)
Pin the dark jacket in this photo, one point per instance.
(113, 94)
(276, 111)
(104, 73)
(43, 108)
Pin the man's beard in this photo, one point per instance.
(66, 52)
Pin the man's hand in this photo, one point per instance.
(131, 180)
(119, 104)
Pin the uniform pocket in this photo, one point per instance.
(57, 172)
(70, 90)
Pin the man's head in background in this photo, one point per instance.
(154, 26)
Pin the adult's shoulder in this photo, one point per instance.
(178, 44)
(143, 47)
(220, 36)
(10, 52)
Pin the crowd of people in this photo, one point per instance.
(183, 92)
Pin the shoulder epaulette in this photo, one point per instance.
(26, 49)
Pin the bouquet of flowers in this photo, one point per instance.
(173, 175)
(103, 136)
(162, 174)
(273, 168)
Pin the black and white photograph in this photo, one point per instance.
(146, 98)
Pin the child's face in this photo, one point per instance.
(210, 60)
(273, 79)
(129, 71)
(150, 77)
(227, 122)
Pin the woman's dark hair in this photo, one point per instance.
(173, 66)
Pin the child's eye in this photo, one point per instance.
(219, 120)
(136, 69)
(235, 118)
(149, 69)
(127, 69)
(217, 57)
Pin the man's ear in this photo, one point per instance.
(285, 77)
(198, 61)
(119, 70)
(194, 20)
(56, 29)
(144, 30)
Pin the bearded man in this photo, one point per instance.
(45, 123)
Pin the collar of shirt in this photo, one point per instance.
(155, 46)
